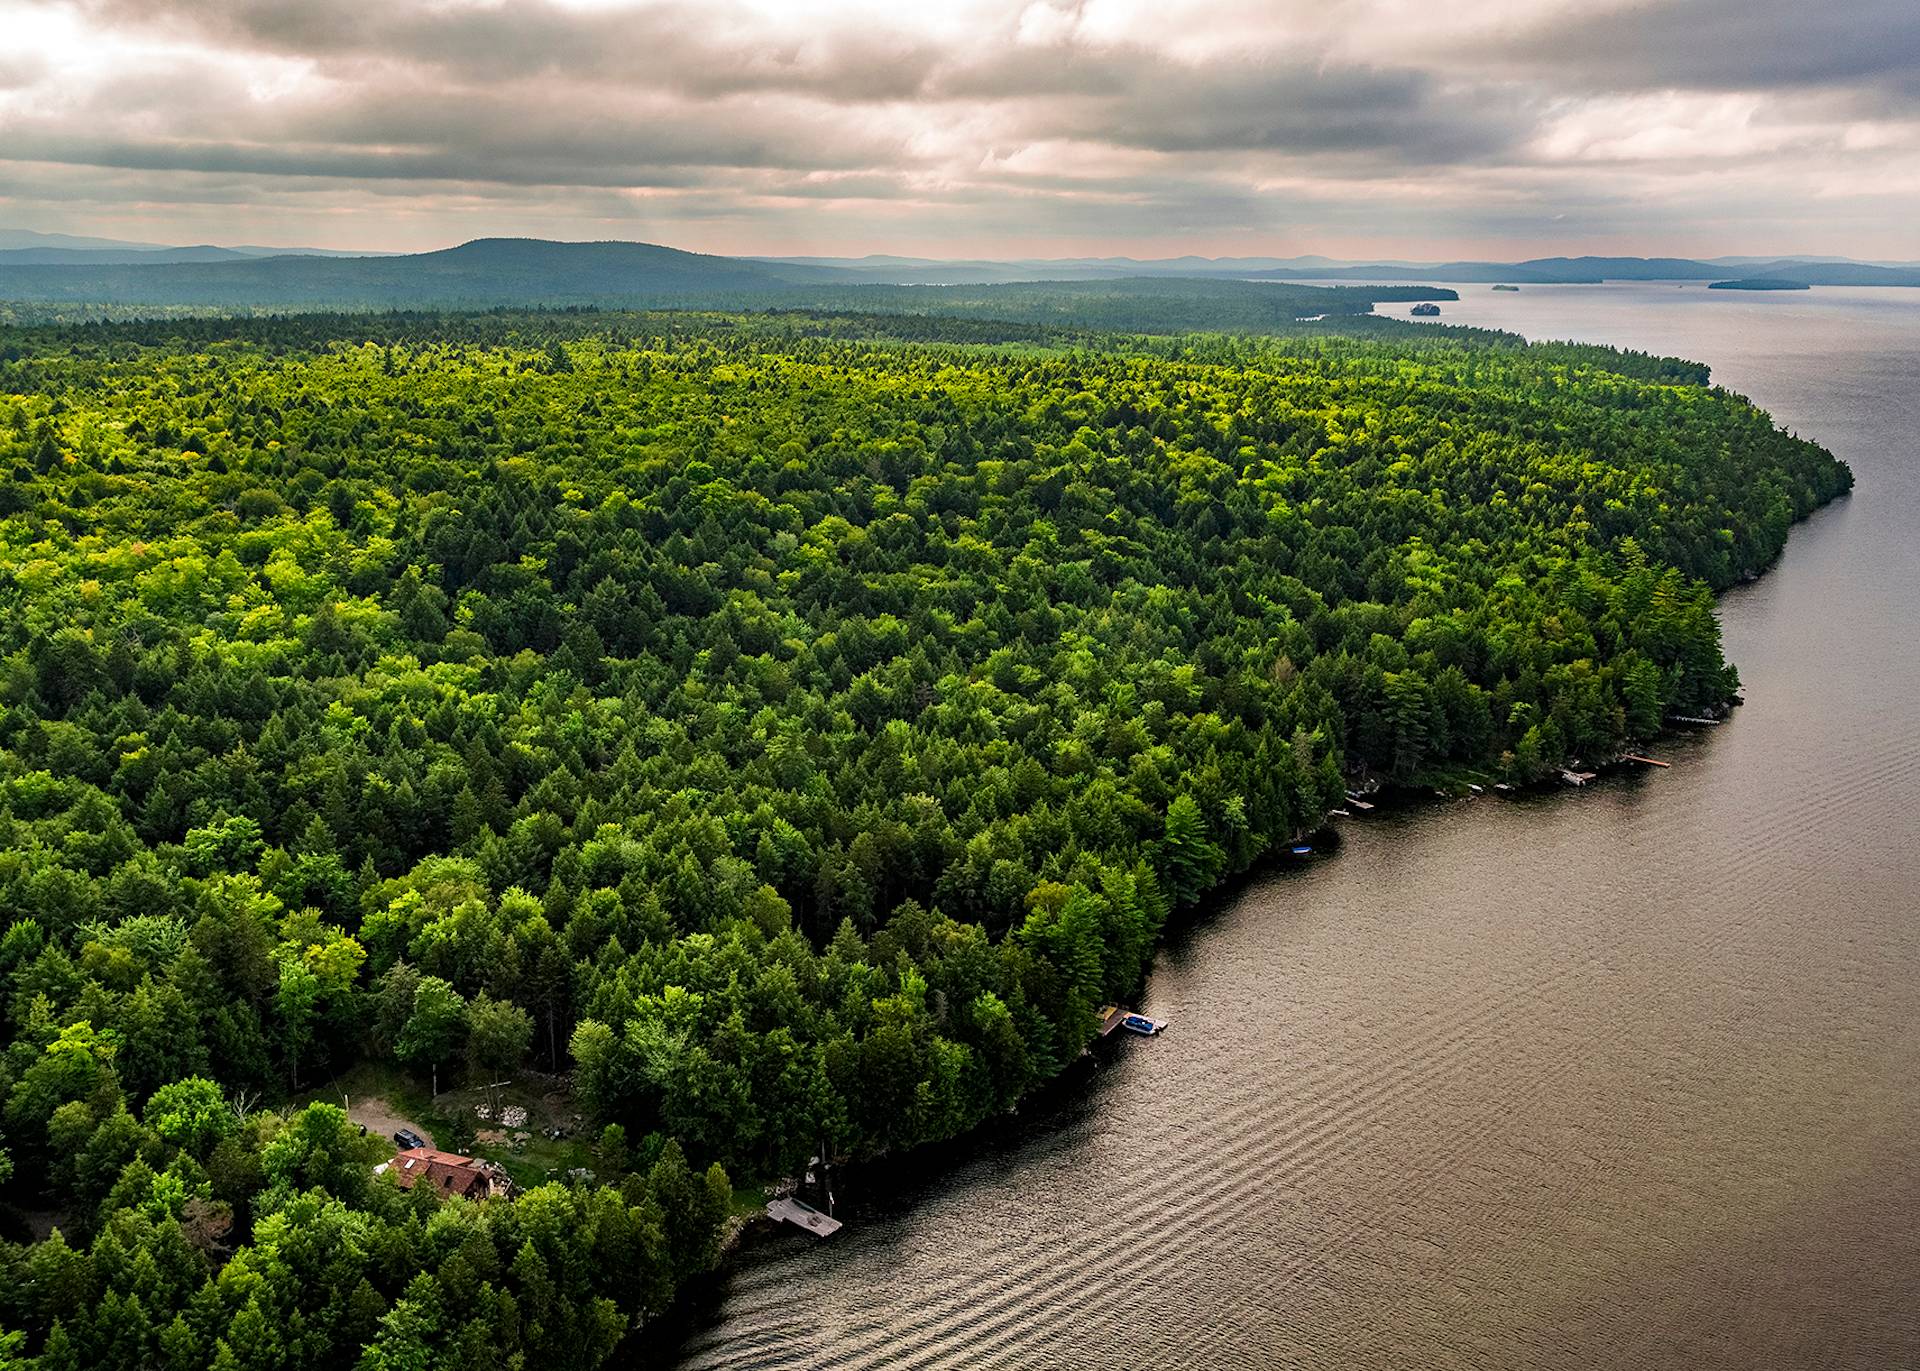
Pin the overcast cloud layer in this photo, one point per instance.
(1428, 128)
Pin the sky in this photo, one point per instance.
(1422, 129)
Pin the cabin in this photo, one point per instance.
(449, 1173)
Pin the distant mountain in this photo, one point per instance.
(1623, 268)
(253, 250)
(526, 271)
(1438, 271)
(27, 238)
(1784, 257)
(522, 271)
(24, 247)
(487, 271)
(1841, 274)
(106, 257)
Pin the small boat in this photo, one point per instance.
(1113, 1018)
(1301, 850)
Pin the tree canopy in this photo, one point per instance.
(794, 736)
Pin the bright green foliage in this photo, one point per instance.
(797, 739)
(1191, 859)
(190, 1114)
(498, 1035)
(439, 1016)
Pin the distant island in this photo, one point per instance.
(1506, 288)
(1425, 310)
(1755, 283)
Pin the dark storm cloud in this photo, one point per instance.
(692, 49)
(1732, 45)
(1130, 95)
(1003, 117)
(531, 93)
(388, 123)
(1295, 108)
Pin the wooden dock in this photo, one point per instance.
(1577, 777)
(1645, 761)
(802, 1215)
(1691, 719)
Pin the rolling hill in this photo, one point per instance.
(485, 272)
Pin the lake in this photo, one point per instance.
(1624, 1077)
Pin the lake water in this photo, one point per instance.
(1628, 1077)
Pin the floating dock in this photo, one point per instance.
(1645, 761)
(1577, 777)
(803, 1215)
(1361, 805)
(1113, 1019)
(1690, 719)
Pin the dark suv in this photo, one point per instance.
(406, 1139)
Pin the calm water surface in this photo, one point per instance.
(1623, 1078)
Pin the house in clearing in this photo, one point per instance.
(449, 1173)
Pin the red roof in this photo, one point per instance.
(447, 1172)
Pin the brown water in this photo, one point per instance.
(1628, 1077)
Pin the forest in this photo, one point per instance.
(791, 727)
(591, 277)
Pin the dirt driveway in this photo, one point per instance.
(378, 1116)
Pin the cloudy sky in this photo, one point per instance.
(1413, 128)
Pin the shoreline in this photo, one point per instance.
(932, 1164)
(747, 1230)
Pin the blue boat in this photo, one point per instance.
(1302, 850)
(1141, 1024)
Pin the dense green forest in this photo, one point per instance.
(791, 730)
(1135, 304)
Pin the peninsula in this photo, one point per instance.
(775, 733)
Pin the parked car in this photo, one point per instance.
(406, 1139)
